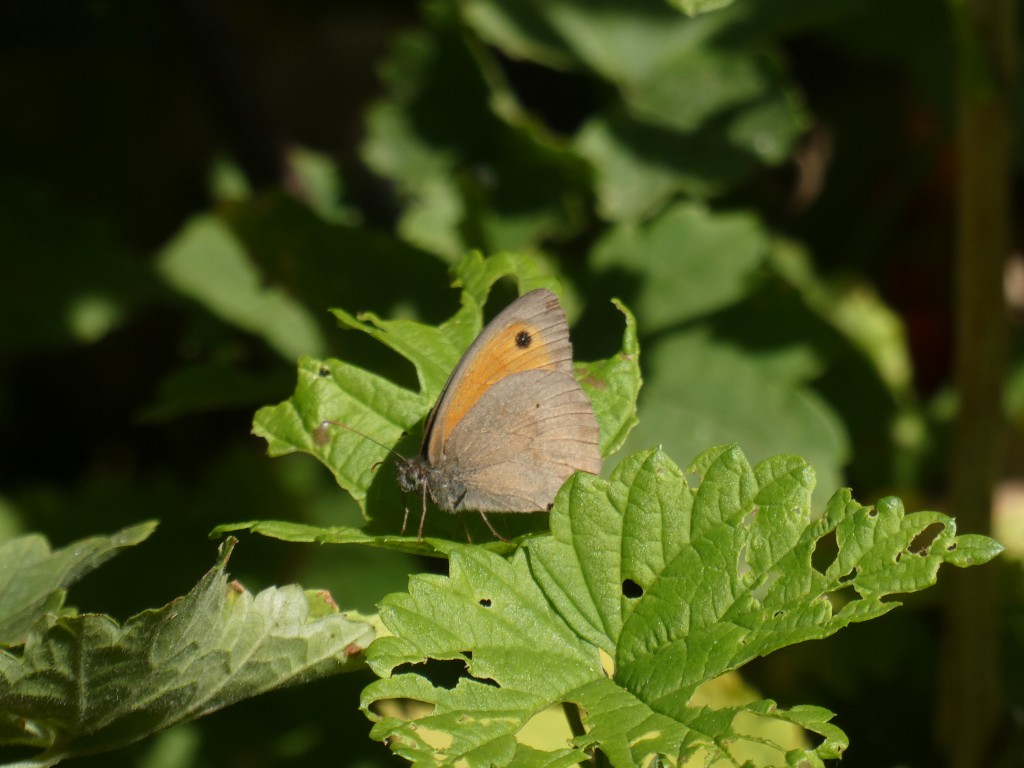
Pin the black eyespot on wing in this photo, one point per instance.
(524, 339)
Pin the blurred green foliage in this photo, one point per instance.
(188, 188)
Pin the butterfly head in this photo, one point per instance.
(417, 475)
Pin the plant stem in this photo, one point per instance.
(572, 716)
(972, 700)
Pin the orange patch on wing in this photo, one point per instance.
(504, 355)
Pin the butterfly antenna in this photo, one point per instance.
(321, 436)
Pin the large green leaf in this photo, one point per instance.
(85, 684)
(464, 158)
(691, 112)
(207, 262)
(702, 390)
(679, 578)
(33, 578)
(695, 7)
(382, 412)
(687, 262)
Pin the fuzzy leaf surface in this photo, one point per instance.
(86, 684)
(679, 577)
(33, 577)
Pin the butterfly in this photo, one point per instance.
(512, 423)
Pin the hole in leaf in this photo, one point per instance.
(442, 673)
(761, 590)
(872, 512)
(840, 597)
(759, 738)
(403, 709)
(742, 566)
(848, 576)
(923, 541)
(778, 614)
(485, 602)
(825, 550)
(751, 516)
(751, 744)
(899, 556)
(951, 547)
(631, 589)
(548, 730)
(324, 371)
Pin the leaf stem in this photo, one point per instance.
(572, 716)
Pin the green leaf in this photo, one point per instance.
(317, 181)
(85, 684)
(687, 262)
(677, 583)
(702, 390)
(523, 658)
(312, 177)
(207, 262)
(691, 113)
(380, 413)
(624, 44)
(316, 534)
(639, 165)
(696, 7)
(461, 153)
(33, 577)
(613, 386)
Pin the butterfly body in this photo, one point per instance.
(512, 423)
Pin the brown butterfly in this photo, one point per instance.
(512, 423)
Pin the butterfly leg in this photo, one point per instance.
(498, 535)
(469, 536)
(423, 517)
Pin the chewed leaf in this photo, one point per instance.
(33, 577)
(85, 684)
(679, 577)
(613, 386)
(375, 408)
(491, 616)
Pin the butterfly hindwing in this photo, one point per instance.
(521, 441)
(530, 334)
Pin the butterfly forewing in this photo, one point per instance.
(530, 334)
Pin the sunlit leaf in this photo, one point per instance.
(86, 684)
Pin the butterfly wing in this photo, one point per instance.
(530, 334)
(520, 442)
